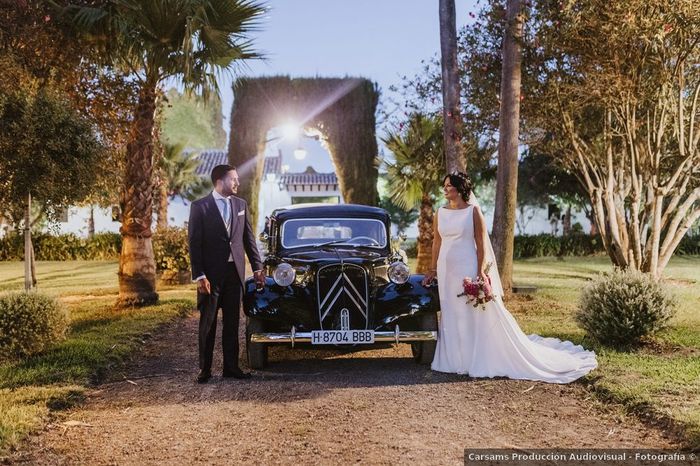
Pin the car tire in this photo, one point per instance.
(424, 351)
(257, 352)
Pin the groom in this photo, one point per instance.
(219, 233)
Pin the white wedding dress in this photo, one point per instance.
(489, 342)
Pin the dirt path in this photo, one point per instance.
(321, 407)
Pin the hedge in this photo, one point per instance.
(689, 246)
(62, 247)
(542, 245)
(580, 244)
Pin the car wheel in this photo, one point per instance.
(424, 351)
(257, 352)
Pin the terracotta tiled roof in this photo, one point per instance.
(208, 159)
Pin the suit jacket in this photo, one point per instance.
(210, 244)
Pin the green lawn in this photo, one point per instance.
(59, 278)
(100, 339)
(660, 380)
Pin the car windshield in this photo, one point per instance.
(302, 232)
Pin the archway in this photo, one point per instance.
(342, 110)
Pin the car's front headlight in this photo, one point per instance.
(399, 273)
(284, 274)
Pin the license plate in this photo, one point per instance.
(342, 337)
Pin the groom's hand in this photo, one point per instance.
(259, 279)
(203, 286)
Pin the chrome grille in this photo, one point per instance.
(342, 288)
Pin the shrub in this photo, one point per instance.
(171, 249)
(29, 324)
(622, 307)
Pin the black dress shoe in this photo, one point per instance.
(203, 376)
(236, 374)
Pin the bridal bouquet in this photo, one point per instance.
(478, 291)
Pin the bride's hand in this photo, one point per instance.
(487, 285)
(429, 278)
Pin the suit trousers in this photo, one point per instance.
(227, 297)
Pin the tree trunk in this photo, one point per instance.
(29, 281)
(137, 270)
(452, 120)
(162, 214)
(91, 222)
(425, 234)
(32, 262)
(566, 222)
(507, 176)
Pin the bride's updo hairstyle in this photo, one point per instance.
(461, 182)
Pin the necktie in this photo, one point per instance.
(227, 213)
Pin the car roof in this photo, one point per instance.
(329, 210)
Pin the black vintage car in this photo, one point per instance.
(334, 279)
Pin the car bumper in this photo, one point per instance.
(397, 336)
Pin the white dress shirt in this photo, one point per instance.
(219, 198)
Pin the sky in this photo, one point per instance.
(381, 40)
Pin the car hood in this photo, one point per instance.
(347, 253)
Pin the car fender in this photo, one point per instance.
(394, 302)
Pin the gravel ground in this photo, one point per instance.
(319, 406)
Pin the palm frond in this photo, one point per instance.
(189, 40)
(419, 162)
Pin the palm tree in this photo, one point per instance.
(452, 131)
(190, 41)
(415, 175)
(177, 173)
(509, 125)
(399, 216)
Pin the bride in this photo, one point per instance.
(486, 342)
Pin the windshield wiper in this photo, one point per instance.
(335, 241)
(346, 242)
